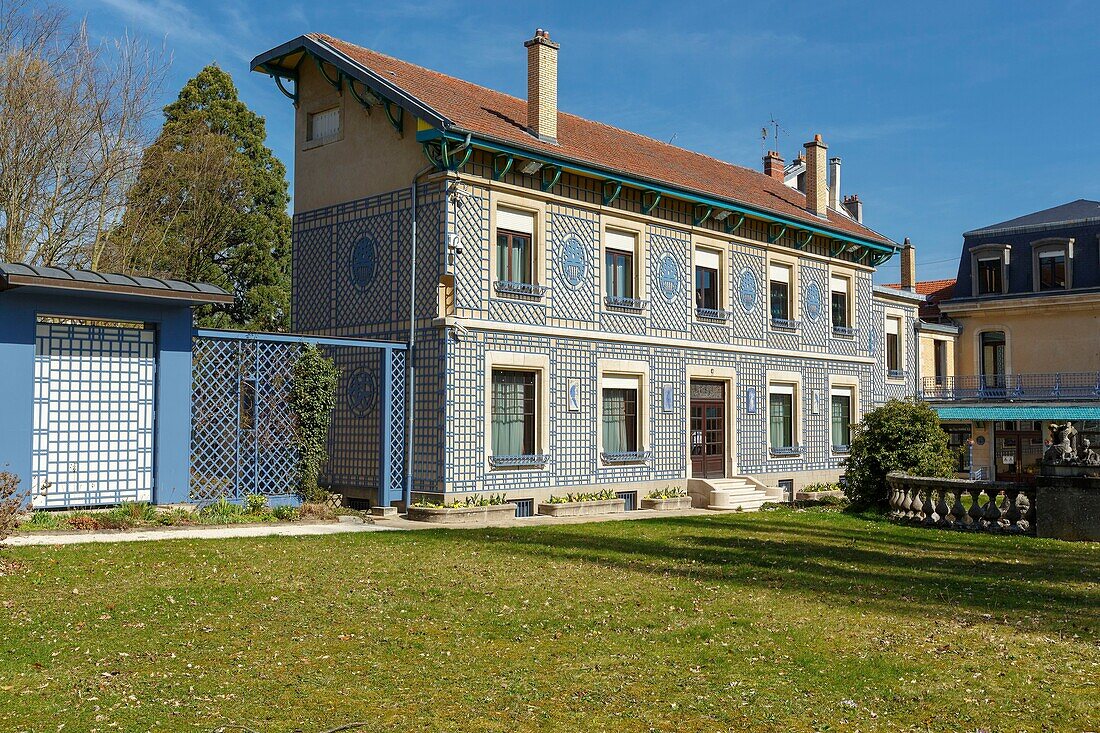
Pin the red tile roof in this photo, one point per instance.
(493, 114)
(936, 291)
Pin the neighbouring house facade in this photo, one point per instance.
(1023, 322)
(588, 308)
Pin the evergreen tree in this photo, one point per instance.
(210, 204)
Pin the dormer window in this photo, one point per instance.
(1052, 264)
(989, 275)
(989, 269)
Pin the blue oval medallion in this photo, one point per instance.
(747, 289)
(574, 262)
(362, 262)
(813, 301)
(872, 341)
(668, 277)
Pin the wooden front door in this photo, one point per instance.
(707, 431)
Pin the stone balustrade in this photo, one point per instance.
(990, 506)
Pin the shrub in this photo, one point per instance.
(312, 400)
(602, 495)
(44, 520)
(11, 501)
(83, 521)
(902, 435)
(285, 513)
(316, 510)
(221, 510)
(819, 487)
(255, 504)
(669, 492)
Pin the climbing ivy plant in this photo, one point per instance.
(312, 400)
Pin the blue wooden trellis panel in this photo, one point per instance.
(242, 425)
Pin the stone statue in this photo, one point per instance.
(1086, 454)
(1061, 443)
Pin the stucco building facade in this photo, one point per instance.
(1025, 310)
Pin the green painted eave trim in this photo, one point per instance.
(1018, 412)
(689, 196)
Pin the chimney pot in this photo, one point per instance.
(773, 165)
(817, 191)
(542, 86)
(854, 207)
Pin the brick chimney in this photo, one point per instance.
(908, 266)
(854, 207)
(834, 184)
(542, 87)
(773, 165)
(817, 192)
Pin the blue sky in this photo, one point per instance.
(948, 116)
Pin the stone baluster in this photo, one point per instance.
(892, 500)
(992, 515)
(975, 512)
(1012, 510)
(916, 506)
(929, 506)
(906, 502)
(943, 512)
(959, 517)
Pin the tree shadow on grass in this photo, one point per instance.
(1052, 591)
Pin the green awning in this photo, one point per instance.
(1019, 412)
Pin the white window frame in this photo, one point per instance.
(778, 383)
(899, 318)
(610, 226)
(708, 249)
(794, 305)
(850, 386)
(609, 370)
(850, 291)
(537, 210)
(515, 361)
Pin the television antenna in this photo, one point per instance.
(772, 130)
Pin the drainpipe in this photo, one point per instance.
(410, 368)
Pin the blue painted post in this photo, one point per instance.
(385, 432)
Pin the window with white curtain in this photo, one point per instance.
(620, 414)
(781, 416)
(841, 399)
(513, 412)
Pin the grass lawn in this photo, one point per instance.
(781, 620)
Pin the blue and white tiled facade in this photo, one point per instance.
(352, 278)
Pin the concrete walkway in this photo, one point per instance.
(300, 529)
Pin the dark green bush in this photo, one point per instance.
(312, 399)
(902, 435)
